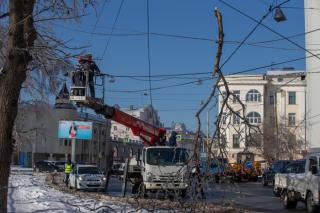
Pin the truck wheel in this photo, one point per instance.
(135, 188)
(143, 191)
(288, 204)
(183, 193)
(310, 206)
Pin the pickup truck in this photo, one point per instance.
(300, 182)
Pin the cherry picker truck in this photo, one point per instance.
(158, 167)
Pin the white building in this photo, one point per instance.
(271, 100)
(123, 133)
(312, 40)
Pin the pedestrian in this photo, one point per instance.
(108, 169)
(67, 171)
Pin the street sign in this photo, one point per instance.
(75, 130)
(179, 138)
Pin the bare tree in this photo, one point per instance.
(282, 141)
(26, 38)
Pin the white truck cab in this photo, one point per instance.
(164, 168)
(300, 183)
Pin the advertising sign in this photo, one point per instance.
(75, 129)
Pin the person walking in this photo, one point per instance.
(67, 171)
(109, 169)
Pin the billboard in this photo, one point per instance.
(75, 129)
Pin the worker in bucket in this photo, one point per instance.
(93, 70)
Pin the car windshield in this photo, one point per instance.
(60, 163)
(277, 167)
(88, 170)
(166, 156)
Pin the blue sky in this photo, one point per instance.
(127, 55)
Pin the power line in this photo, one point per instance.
(112, 29)
(250, 33)
(97, 20)
(269, 28)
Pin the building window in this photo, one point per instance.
(95, 131)
(253, 96)
(65, 142)
(236, 141)
(292, 97)
(255, 140)
(69, 142)
(236, 119)
(224, 118)
(254, 118)
(127, 129)
(292, 119)
(236, 96)
(271, 97)
(123, 150)
(115, 128)
(115, 152)
(102, 132)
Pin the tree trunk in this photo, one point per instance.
(21, 36)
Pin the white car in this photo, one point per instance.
(87, 177)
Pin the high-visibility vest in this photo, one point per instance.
(67, 168)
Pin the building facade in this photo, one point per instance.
(269, 103)
(36, 134)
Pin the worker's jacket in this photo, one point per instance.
(67, 168)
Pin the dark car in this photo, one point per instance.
(277, 167)
(59, 164)
(46, 166)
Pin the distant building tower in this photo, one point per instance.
(62, 99)
(312, 23)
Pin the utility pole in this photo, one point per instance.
(73, 150)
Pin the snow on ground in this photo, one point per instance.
(28, 192)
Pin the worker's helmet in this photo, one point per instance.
(81, 58)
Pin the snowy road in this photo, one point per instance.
(28, 192)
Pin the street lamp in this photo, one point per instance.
(279, 15)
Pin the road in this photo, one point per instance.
(251, 196)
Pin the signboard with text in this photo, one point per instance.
(75, 130)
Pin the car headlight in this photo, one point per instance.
(80, 178)
(150, 176)
(104, 178)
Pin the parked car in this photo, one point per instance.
(215, 169)
(283, 180)
(59, 164)
(87, 177)
(117, 169)
(46, 166)
(300, 182)
(277, 167)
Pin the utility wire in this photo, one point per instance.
(112, 29)
(269, 28)
(250, 33)
(206, 73)
(97, 20)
